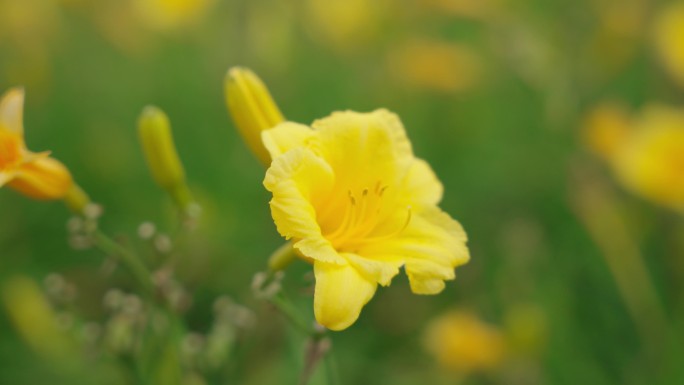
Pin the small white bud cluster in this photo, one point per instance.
(175, 294)
(266, 285)
(81, 228)
(122, 332)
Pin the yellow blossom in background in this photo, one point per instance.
(35, 175)
(435, 65)
(651, 161)
(605, 129)
(668, 35)
(29, 30)
(359, 205)
(461, 342)
(476, 9)
(345, 25)
(618, 34)
(166, 15)
(33, 318)
(270, 34)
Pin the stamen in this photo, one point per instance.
(360, 220)
(347, 220)
(382, 190)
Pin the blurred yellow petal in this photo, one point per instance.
(345, 25)
(668, 34)
(170, 14)
(340, 294)
(32, 174)
(606, 128)
(12, 110)
(461, 342)
(651, 162)
(34, 319)
(5, 177)
(11, 149)
(435, 65)
(43, 178)
(465, 8)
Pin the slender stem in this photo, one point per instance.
(331, 375)
(127, 258)
(285, 307)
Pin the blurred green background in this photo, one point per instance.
(493, 94)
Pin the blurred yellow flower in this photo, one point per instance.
(359, 205)
(346, 25)
(461, 342)
(435, 65)
(33, 174)
(29, 31)
(606, 128)
(465, 8)
(33, 318)
(170, 14)
(618, 32)
(651, 161)
(668, 34)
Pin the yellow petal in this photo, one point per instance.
(380, 271)
(5, 177)
(12, 110)
(430, 247)
(421, 186)
(285, 137)
(296, 179)
(374, 143)
(340, 294)
(42, 178)
(668, 31)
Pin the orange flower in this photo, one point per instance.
(35, 175)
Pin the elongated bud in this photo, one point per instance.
(252, 109)
(33, 318)
(43, 178)
(282, 257)
(155, 135)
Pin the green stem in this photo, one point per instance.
(330, 364)
(286, 308)
(127, 258)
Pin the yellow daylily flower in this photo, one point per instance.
(35, 175)
(359, 205)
